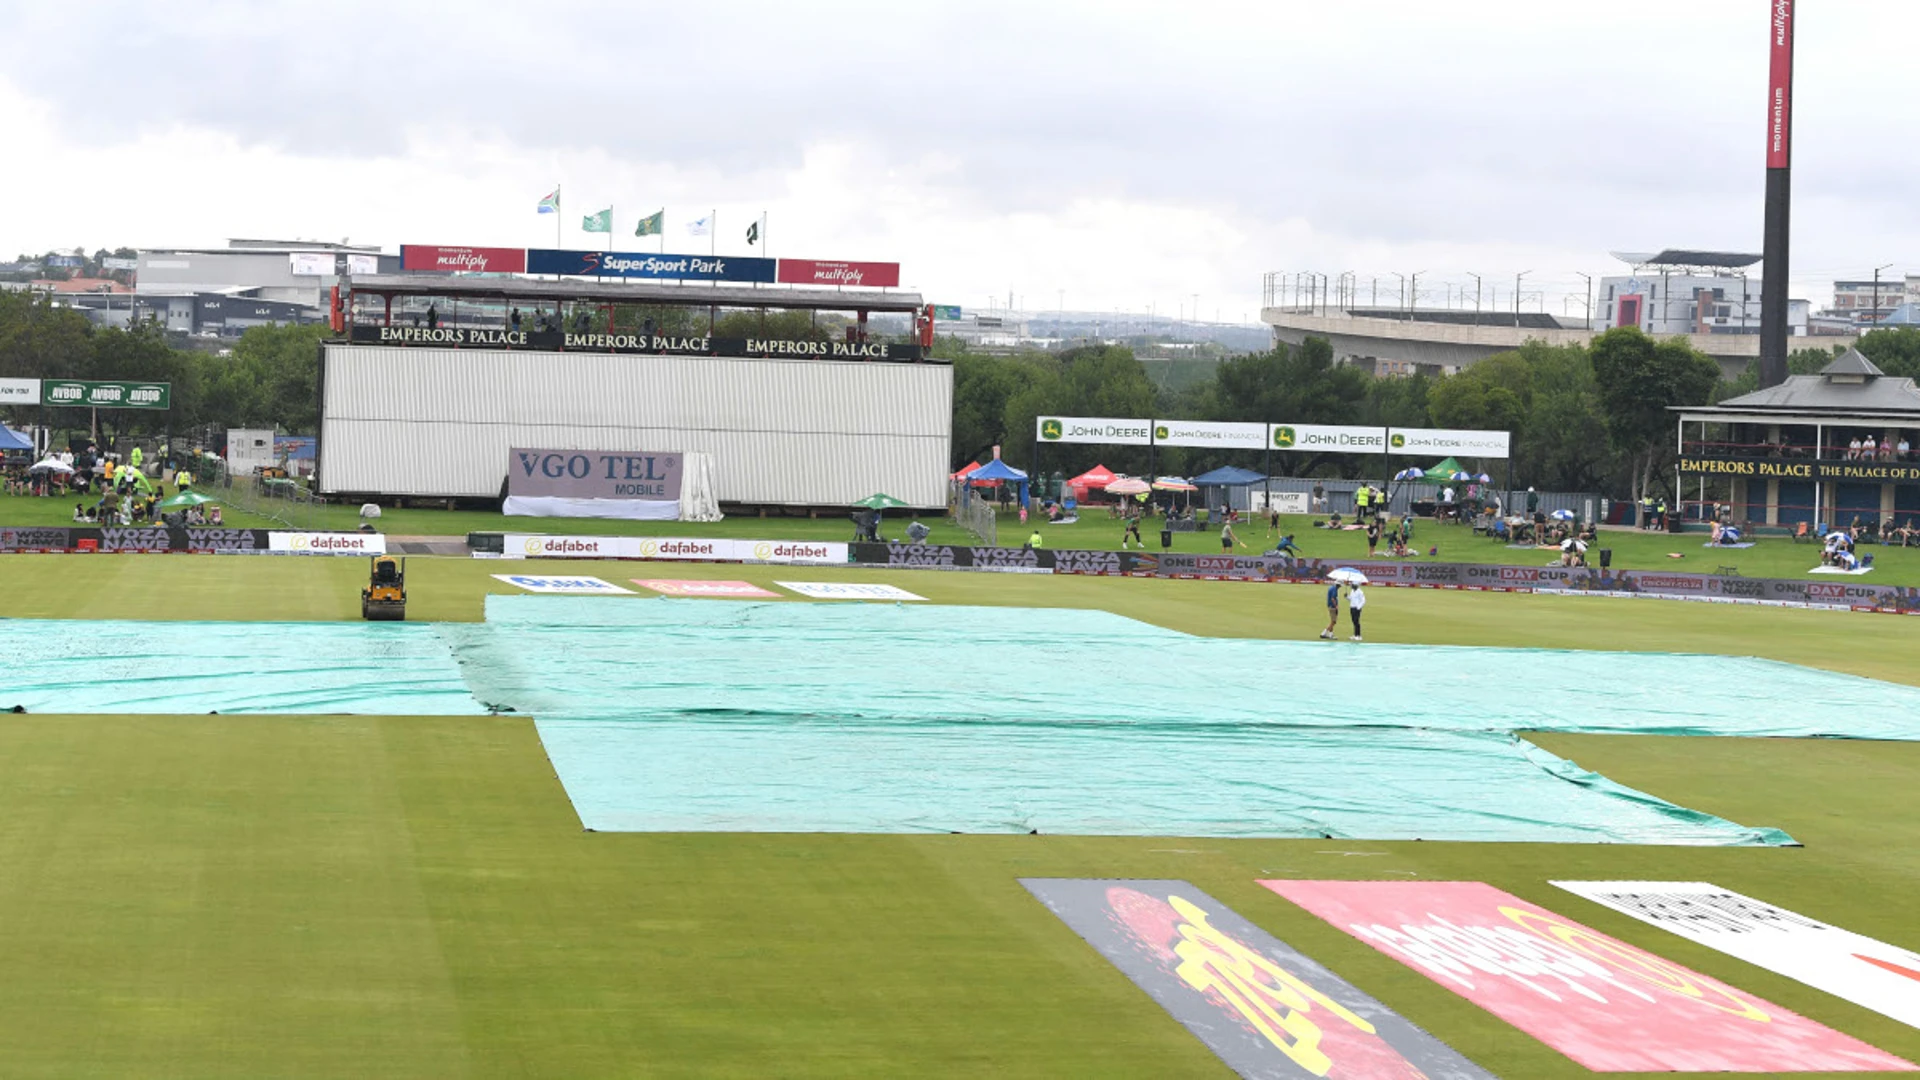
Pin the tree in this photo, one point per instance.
(1894, 350)
(1638, 379)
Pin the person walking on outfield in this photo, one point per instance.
(1132, 533)
(1227, 539)
(1356, 600)
(1333, 609)
(1373, 536)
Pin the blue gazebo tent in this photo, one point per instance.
(1000, 470)
(1228, 476)
(13, 440)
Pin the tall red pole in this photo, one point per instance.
(1773, 267)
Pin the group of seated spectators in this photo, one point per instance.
(1886, 531)
(1867, 449)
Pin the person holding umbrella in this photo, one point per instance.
(1356, 599)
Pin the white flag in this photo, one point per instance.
(700, 226)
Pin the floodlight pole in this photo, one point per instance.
(1773, 272)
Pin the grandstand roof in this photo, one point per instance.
(636, 292)
(1725, 260)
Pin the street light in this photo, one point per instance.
(1516, 295)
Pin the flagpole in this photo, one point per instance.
(663, 230)
(559, 215)
(713, 234)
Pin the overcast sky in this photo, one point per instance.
(1105, 155)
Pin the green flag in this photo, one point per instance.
(600, 222)
(652, 224)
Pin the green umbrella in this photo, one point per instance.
(184, 500)
(880, 502)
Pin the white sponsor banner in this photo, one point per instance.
(321, 264)
(120, 264)
(546, 583)
(327, 543)
(1426, 442)
(1287, 502)
(535, 546)
(678, 548)
(786, 551)
(19, 391)
(1111, 430)
(1209, 433)
(1328, 438)
(847, 590)
(1865, 971)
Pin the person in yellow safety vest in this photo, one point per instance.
(136, 458)
(183, 480)
(1660, 515)
(1646, 511)
(1034, 540)
(1360, 501)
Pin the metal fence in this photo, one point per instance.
(969, 510)
(285, 502)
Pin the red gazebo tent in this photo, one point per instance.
(1094, 479)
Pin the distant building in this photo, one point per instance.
(222, 291)
(1682, 291)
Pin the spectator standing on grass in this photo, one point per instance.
(1360, 500)
(1356, 600)
(1132, 534)
(1319, 495)
(1533, 502)
(1373, 536)
(1333, 609)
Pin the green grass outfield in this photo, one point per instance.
(229, 896)
(1773, 557)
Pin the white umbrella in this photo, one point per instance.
(1836, 537)
(1563, 515)
(1347, 575)
(1574, 545)
(1410, 474)
(52, 465)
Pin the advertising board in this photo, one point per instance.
(848, 590)
(820, 272)
(106, 394)
(548, 583)
(1860, 969)
(1327, 438)
(727, 590)
(1429, 442)
(329, 263)
(1112, 430)
(655, 345)
(1602, 1002)
(624, 264)
(477, 260)
(1209, 433)
(673, 549)
(326, 543)
(19, 391)
(1267, 1009)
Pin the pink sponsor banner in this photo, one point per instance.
(488, 260)
(1603, 1003)
(821, 272)
(1779, 83)
(738, 590)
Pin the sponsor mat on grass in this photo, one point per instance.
(1863, 970)
(1603, 1003)
(737, 590)
(1264, 1007)
(548, 583)
(848, 590)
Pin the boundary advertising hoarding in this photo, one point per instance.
(1314, 438)
(1267, 1009)
(134, 538)
(627, 264)
(636, 485)
(671, 549)
(1865, 472)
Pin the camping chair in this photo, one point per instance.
(1498, 530)
(1803, 534)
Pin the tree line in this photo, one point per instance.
(267, 378)
(1582, 417)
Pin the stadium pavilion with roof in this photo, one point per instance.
(1787, 454)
